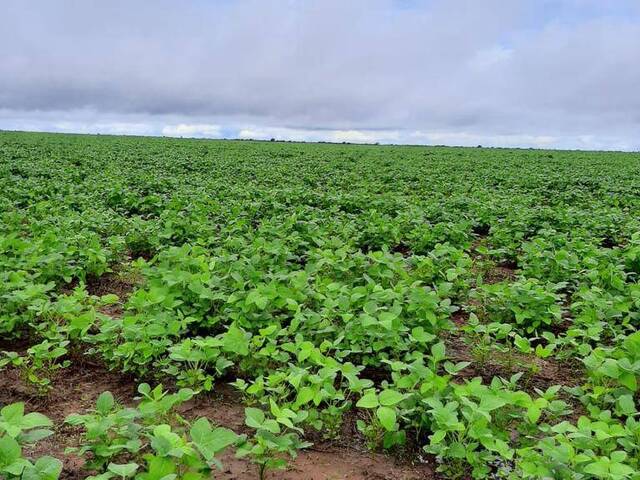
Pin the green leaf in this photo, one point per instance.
(370, 308)
(34, 436)
(533, 413)
(369, 400)
(210, 442)
(235, 341)
(419, 335)
(386, 319)
(123, 470)
(621, 470)
(45, 468)
(34, 419)
(12, 413)
(254, 417)
(438, 436)
(10, 450)
(261, 302)
(105, 403)
(490, 402)
(387, 417)
(626, 405)
(628, 380)
(610, 368)
(438, 352)
(271, 425)
(390, 397)
(109, 299)
(158, 468)
(599, 468)
(305, 395)
(102, 476)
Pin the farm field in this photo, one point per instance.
(190, 309)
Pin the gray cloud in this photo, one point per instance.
(451, 69)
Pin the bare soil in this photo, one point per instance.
(540, 373)
(112, 283)
(499, 273)
(76, 389)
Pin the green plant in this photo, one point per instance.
(269, 443)
(16, 430)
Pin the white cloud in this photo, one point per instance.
(320, 135)
(364, 136)
(258, 132)
(490, 57)
(110, 128)
(473, 139)
(199, 130)
(406, 137)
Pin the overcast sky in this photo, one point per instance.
(542, 73)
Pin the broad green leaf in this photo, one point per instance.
(438, 352)
(438, 436)
(105, 403)
(123, 470)
(45, 468)
(390, 397)
(490, 402)
(626, 404)
(34, 419)
(158, 468)
(369, 400)
(13, 413)
(305, 395)
(210, 442)
(254, 417)
(235, 341)
(419, 335)
(33, 436)
(387, 417)
(10, 450)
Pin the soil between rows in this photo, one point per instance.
(76, 389)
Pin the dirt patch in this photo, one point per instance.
(499, 273)
(20, 345)
(487, 268)
(119, 282)
(111, 283)
(341, 464)
(75, 390)
(332, 463)
(402, 249)
(460, 318)
(78, 387)
(538, 372)
(116, 283)
(377, 374)
(481, 230)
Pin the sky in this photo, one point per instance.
(514, 73)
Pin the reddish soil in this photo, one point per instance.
(499, 273)
(76, 389)
(460, 318)
(538, 372)
(491, 272)
(112, 283)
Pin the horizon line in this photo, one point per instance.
(318, 142)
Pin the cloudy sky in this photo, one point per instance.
(541, 73)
